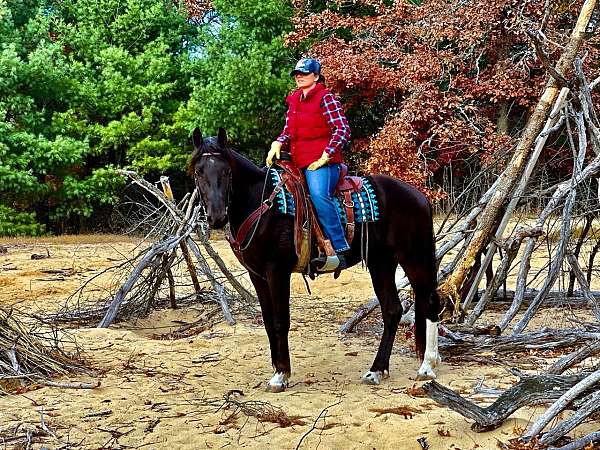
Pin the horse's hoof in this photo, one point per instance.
(278, 383)
(425, 376)
(375, 378)
(426, 370)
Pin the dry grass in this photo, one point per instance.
(69, 239)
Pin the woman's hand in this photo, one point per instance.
(324, 159)
(274, 152)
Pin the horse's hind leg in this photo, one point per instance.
(422, 277)
(383, 271)
(431, 356)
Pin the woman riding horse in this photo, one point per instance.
(315, 131)
(233, 189)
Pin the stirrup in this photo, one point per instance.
(326, 263)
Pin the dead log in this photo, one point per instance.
(585, 98)
(565, 229)
(172, 298)
(219, 288)
(593, 254)
(553, 120)
(553, 297)
(159, 276)
(486, 330)
(530, 390)
(245, 293)
(461, 344)
(168, 203)
(164, 181)
(563, 188)
(589, 219)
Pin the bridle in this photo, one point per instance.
(252, 221)
(229, 190)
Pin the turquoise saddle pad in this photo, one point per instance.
(366, 207)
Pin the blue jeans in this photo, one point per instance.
(321, 184)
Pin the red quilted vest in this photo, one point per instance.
(308, 128)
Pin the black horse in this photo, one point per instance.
(232, 188)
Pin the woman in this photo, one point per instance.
(315, 131)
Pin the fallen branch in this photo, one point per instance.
(590, 405)
(577, 390)
(152, 257)
(322, 414)
(530, 390)
(575, 357)
(71, 385)
(585, 289)
(584, 442)
(460, 344)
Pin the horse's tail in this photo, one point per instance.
(427, 302)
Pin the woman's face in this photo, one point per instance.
(304, 81)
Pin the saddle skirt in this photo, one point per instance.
(354, 197)
(364, 201)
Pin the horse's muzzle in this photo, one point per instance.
(217, 223)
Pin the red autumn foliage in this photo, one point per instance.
(432, 85)
(197, 9)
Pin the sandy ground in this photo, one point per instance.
(161, 393)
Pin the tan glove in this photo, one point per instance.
(324, 159)
(275, 152)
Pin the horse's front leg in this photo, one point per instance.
(279, 288)
(264, 297)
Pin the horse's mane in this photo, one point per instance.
(246, 165)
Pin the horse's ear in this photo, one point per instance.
(222, 137)
(197, 138)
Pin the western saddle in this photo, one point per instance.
(306, 223)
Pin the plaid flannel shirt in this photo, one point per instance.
(336, 119)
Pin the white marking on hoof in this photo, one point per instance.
(431, 357)
(426, 371)
(375, 377)
(278, 382)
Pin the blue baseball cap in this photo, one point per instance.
(306, 66)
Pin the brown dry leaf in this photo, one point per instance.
(416, 391)
(444, 432)
(518, 430)
(219, 429)
(351, 354)
(406, 411)
(229, 420)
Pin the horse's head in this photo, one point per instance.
(210, 166)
